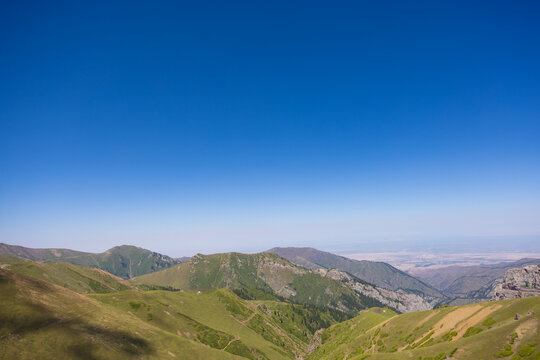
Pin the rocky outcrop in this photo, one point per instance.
(518, 283)
(315, 342)
(399, 300)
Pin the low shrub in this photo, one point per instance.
(507, 351)
(472, 331)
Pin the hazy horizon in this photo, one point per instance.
(378, 250)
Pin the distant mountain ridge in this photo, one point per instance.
(378, 273)
(125, 261)
(40, 254)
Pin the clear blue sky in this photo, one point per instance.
(215, 126)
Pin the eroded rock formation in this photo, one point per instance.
(518, 283)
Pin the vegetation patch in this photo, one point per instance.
(440, 356)
(256, 294)
(147, 287)
(507, 351)
(449, 335)
(472, 331)
(527, 350)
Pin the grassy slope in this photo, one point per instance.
(45, 319)
(219, 317)
(267, 272)
(76, 278)
(429, 334)
(377, 273)
(39, 320)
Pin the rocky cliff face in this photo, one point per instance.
(518, 283)
(399, 300)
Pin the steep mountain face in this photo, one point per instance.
(123, 261)
(518, 283)
(479, 331)
(399, 300)
(267, 275)
(378, 273)
(470, 283)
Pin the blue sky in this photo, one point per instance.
(212, 126)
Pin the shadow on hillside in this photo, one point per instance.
(87, 339)
(128, 344)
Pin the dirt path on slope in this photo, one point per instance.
(230, 342)
(523, 329)
(452, 319)
(244, 322)
(475, 319)
(458, 320)
(447, 323)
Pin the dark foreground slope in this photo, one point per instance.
(40, 320)
(505, 329)
(124, 261)
(377, 273)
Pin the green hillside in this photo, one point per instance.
(124, 261)
(262, 276)
(220, 319)
(73, 277)
(377, 273)
(489, 330)
(38, 319)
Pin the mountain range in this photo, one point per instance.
(245, 306)
(367, 283)
(390, 286)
